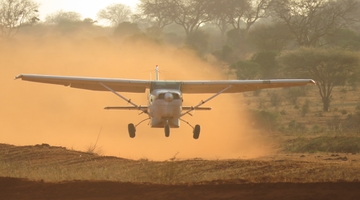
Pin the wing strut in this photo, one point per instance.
(125, 99)
(203, 102)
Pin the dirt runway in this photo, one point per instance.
(23, 189)
(50, 172)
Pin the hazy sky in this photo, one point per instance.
(87, 8)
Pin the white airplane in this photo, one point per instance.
(164, 109)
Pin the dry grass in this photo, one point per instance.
(344, 102)
(54, 164)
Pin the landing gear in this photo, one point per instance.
(196, 132)
(167, 130)
(132, 130)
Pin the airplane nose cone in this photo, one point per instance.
(168, 97)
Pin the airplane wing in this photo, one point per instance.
(88, 83)
(239, 85)
(126, 108)
(139, 86)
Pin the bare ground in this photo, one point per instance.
(46, 172)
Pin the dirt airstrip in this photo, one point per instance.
(48, 172)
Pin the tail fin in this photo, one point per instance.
(157, 73)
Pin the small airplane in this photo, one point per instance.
(164, 109)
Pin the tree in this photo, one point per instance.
(269, 68)
(310, 20)
(125, 29)
(115, 14)
(270, 37)
(157, 11)
(246, 70)
(61, 16)
(198, 41)
(219, 12)
(241, 15)
(246, 13)
(190, 14)
(15, 14)
(344, 38)
(256, 10)
(328, 67)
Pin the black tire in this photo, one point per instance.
(167, 130)
(131, 130)
(196, 132)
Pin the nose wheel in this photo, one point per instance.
(167, 130)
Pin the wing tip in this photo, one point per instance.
(18, 77)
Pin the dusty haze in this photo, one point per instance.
(33, 113)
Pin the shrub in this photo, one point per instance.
(293, 94)
(343, 112)
(351, 123)
(265, 119)
(297, 127)
(334, 124)
(275, 99)
(305, 108)
(318, 129)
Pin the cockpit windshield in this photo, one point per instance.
(165, 85)
(162, 96)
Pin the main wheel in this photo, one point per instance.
(196, 132)
(131, 130)
(167, 130)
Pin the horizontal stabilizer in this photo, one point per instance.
(193, 108)
(126, 108)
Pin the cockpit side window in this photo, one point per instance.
(161, 96)
(176, 96)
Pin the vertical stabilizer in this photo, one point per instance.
(157, 73)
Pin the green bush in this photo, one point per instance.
(297, 127)
(265, 120)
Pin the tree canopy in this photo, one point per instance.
(114, 14)
(15, 14)
(328, 67)
(62, 17)
(310, 20)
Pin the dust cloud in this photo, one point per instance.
(33, 113)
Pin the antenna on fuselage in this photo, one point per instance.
(156, 73)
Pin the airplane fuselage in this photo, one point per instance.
(165, 107)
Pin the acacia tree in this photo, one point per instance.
(270, 37)
(62, 16)
(115, 14)
(15, 14)
(245, 13)
(157, 11)
(310, 20)
(257, 9)
(245, 69)
(219, 12)
(190, 14)
(328, 67)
